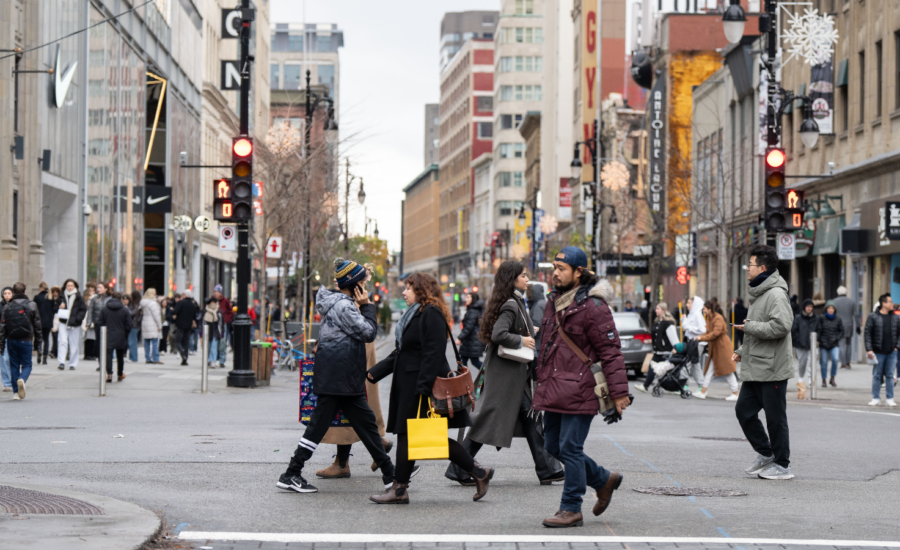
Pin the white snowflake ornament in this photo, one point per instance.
(615, 175)
(810, 36)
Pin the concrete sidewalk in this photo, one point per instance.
(70, 519)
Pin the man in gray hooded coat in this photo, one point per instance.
(766, 365)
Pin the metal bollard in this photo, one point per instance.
(204, 351)
(101, 355)
(813, 365)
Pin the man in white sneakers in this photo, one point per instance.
(882, 336)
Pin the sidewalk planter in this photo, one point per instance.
(261, 362)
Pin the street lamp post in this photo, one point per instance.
(593, 188)
(532, 260)
(312, 103)
(361, 197)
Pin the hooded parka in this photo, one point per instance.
(766, 354)
(340, 367)
(470, 345)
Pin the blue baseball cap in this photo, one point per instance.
(573, 256)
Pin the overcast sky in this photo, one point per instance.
(389, 71)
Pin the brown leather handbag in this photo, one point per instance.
(454, 393)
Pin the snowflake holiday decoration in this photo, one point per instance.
(810, 36)
(548, 225)
(615, 175)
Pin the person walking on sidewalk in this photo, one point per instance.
(96, 303)
(420, 357)
(72, 312)
(720, 349)
(45, 308)
(663, 336)
(20, 331)
(212, 317)
(5, 296)
(805, 323)
(694, 326)
(831, 331)
(339, 379)
(55, 299)
(882, 336)
(184, 314)
(767, 365)
(846, 311)
(471, 348)
(537, 305)
(137, 318)
(578, 322)
(151, 326)
(227, 311)
(504, 404)
(117, 319)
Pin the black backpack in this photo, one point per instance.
(18, 327)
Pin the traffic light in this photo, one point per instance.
(775, 192)
(794, 211)
(242, 178)
(223, 208)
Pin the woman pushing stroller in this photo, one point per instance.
(664, 338)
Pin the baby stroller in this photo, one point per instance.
(675, 380)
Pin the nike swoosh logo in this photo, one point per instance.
(151, 200)
(62, 82)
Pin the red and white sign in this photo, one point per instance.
(787, 249)
(227, 238)
(565, 200)
(682, 275)
(273, 248)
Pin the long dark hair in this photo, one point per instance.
(428, 292)
(713, 306)
(504, 287)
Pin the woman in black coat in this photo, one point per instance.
(470, 347)
(418, 359)
(116, 317)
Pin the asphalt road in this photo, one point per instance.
(211, 462)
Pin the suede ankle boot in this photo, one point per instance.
(397, 494)
(335, 471)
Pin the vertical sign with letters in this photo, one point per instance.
(656, 112)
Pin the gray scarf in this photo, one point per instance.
(404, 320)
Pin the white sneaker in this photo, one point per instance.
(640, 387)
(21, 392)
(16, 397)
(874, 402)
(891, 403)
(699, 395)
(732, 397)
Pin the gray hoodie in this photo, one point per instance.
(340, 367)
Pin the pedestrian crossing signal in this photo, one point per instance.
(795, 210)
(223, 207)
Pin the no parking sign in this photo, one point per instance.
(787, 249)
(227, 238)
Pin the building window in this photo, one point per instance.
(323, 43)
(292, 77)
(862, 86)
(524, 7)
(484, 104)
(504, 179)
(519, 150)
(528, 93)
(295, 43)
(326, 76)
(485, 130)
(273, 76)
(506, 93)
(504, 208)
(517, 178)
(538, 35)
(509, 122)
(880, 78)
(505, 65)
(506, 150)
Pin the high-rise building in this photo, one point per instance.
(432, 133)
(457, 27)
(420, 223)
(467, 88)
(297, 48)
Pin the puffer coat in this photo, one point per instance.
(766, 352)
(340, 367)
(830, 332)
(151, 322)
(873, 333)
(470, 345)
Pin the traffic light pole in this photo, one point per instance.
(241, 376)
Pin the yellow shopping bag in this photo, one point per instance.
(427, 436)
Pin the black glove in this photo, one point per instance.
(858, 330)
(611, 416)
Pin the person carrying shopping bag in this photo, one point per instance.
(504, 404)
(720, 349)
(418, 359)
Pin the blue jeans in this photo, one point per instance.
(194, 337)
(20, 360)
(223, 347)
(151, 350)
(4, 368)
(216, 351)
(885, 368)
(133, 345)
(824, 354)
(564, 436)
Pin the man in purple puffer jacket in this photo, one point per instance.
(565, 385)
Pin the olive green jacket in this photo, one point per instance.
(766, 352)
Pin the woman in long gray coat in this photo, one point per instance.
(504, 386)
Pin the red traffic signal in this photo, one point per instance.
(243, 147)
(775, 158)
(474, 289)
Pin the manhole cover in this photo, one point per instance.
(24, 501)
(718, 438)
(690, 492)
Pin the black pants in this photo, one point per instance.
(459, 456)
(45, 333)
(343, 454)
(183, 340)
(54, 351)
(770, 397)
(89, 349)
(545, 466)
(164, 341)
(476, 362)
(362, 420)
(120, 360)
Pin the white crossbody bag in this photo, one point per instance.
(522, 354)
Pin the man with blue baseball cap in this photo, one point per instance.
(578, 334)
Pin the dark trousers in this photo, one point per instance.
(564, 436)
(89, 349)
(545, 465)
(183, 341)
(362, 420)
(54, 351)
(163, 342)
(769, 397)
(459, 456)
(476, 362)
(45, 332)
(120, 360)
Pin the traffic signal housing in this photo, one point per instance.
(242, 178)
(794, 210)
(775, 191)
(223, 208)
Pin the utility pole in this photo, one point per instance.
(242, 376)
(347, 213)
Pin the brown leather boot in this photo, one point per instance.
(121, 377)
(604, 495)
(388, 445)
(565, 518)
(335, 471)
(397, 494)
(801, 390)
(481, 485)
(832, 382)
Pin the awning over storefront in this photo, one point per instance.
(804, 242)
(828, 234)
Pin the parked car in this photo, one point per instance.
(635, 337)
